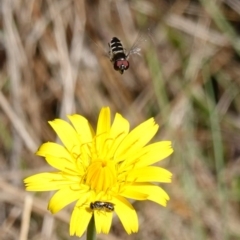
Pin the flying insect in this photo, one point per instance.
(118, 54)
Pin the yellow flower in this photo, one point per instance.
(102, 170)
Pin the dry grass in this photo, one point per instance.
(188, 78)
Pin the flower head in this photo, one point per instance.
(101, 170)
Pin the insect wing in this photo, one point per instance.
(141, 39)
(97, 205)
(97, 46)
(109, 207)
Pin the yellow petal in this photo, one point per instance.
(64, 165)
(53, 149)
(158, 195)
(52, 181)
(130, 193)
(45, 182)
(149, 174)
(155, 193)
(58, 157)
(103, 221)
(67, 134)
(126, 214)
(148, 155)
(136, 139)
(119, 130)
(62, 198)
(155, 152)
(83, 128)
(102, 133)
(79, 221)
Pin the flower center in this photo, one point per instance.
(101, 175)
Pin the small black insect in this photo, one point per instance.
(104, 206)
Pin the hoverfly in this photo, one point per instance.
(103, 206)
(118, 55)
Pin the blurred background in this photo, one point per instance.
(53, 62)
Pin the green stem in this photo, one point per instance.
(91, 232)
